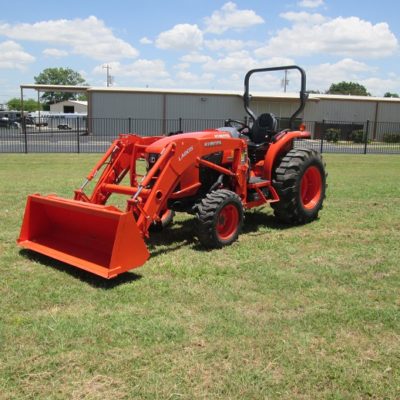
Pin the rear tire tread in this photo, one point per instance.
(286, 181)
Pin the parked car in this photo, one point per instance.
(7, 123)
(64, 127)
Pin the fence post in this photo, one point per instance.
(366, 137)
(129, 125)
(23, 120)
(322, 136)
(77, 136)
(180, 124)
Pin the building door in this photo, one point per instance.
(69, 109)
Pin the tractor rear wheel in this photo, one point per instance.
(220, 218)
(300, 181)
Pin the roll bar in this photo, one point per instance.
(303, 94)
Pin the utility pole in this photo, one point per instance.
(285, 81)
(109, 77)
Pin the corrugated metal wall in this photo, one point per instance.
(334, 110)
(204, 107)
(282, 109)
(166, 108)
(125, 105)
(389, 112)
(171, 106)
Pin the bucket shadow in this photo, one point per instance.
(84, 276)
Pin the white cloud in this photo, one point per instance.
(145, 40)
(141, 70)
(12, 55)
(276, 62)
(190, 79)
(311, 3)
(304, 18)
(180, 37)
(379, 86)
(313, 34)
(320, 77)
(231, 62)
(229, 17)
(195, 57)
(182, 66)
(89, 37)
(55, 53)
(225, 44)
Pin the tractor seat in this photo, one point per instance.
(263, 128)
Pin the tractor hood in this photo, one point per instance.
(210, 134)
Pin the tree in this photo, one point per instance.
(59, 76)
(388, 94)
(29, 105)
(352, 88)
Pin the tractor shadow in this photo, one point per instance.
(254, 220)
(175, 237)
(77, 273)
(181, 233)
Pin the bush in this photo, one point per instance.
(332, 135)
(391, 138)
(357, 136)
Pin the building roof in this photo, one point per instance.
(254, 94)
(200, 92)
(354, 98)
(55, 88)
(78, 102)
(207, 92)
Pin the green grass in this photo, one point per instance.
(309, 312)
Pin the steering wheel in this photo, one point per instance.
(244, 126)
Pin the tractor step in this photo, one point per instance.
(257, 181)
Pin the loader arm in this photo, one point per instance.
(119, 159)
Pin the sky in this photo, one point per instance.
(202, 44)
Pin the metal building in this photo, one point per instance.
(197, 109)
(167, 105)
(151, 111)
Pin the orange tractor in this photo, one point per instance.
(214, 174)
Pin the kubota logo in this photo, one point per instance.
(185, 153)
(213, 143)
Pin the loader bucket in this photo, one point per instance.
(99, 239)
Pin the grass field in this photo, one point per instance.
(309, 312)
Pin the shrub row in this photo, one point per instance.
(357, 136)
(334, 135)
(391, 137)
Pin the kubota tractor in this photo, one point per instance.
(214, 174)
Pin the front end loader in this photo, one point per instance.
(214, 174)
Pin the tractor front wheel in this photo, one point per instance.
(300, 181)
(220, 218)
